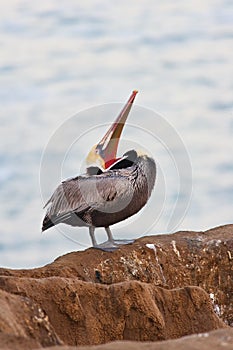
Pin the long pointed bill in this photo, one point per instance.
(109, 143)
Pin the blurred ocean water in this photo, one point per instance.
(59, 59)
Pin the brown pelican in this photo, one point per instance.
(112, 189)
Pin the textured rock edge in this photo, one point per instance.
(170, 261)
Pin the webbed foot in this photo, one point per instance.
(110, 246)
(123, 241)
(107, 246)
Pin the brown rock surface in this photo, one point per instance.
(24, 323)
(215, 340)
(146, 291)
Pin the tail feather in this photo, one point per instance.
(47, 223)
(70, 218)
(50, 221)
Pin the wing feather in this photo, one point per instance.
(85, 192)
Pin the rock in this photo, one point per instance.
(124, 311)
(215, 340)
(147, 291)
(23, 324)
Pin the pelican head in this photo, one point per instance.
(103, 155)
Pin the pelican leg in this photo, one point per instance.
(112, 244)
(92, 234)
(109, 233)
(117, 241)
(109, 245)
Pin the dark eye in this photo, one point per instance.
(97, 150)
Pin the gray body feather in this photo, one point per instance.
(102, 200)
